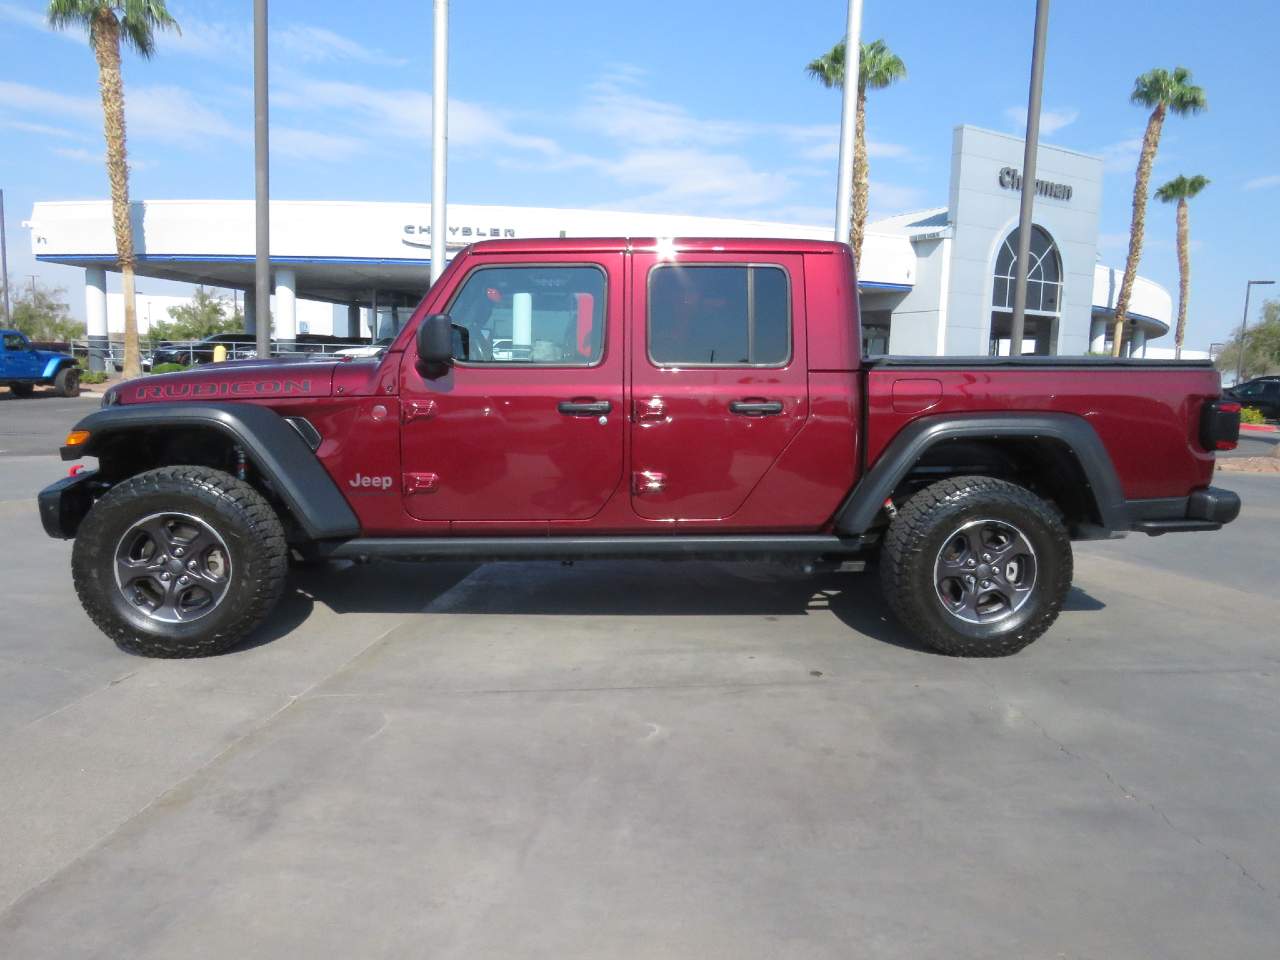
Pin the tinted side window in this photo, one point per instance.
(530, 315)
(14, 341)
(719, 315)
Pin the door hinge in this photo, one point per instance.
(421, 483)
(648, 481)
(418, 410)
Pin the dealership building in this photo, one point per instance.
(933, 282)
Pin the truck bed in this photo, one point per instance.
(1146, 412)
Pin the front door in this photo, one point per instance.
(20, 360)
(719, 379)
(528, 424)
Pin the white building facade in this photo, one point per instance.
(935, 282)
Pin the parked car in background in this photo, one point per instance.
(23, 367)
(239, 346)
(1261, 393)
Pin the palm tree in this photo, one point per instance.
(878, 67)
(109, 22)
(1161, 91)
(1182, 189)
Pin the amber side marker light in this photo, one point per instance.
(76, 437)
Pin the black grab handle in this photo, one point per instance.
(584, 408)
(756, 408)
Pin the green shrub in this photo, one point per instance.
(1251, 415)
(93, 376)
(168, 368)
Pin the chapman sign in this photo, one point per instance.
(1011, 179)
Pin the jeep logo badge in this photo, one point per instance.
(361, 482)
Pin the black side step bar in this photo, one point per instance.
(719, 547)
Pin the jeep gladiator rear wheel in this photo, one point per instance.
(976, 567)
(179, 562)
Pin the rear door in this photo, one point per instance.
(719, 381)
(528, 424)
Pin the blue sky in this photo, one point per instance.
(698, 106)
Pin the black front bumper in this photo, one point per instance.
(1206, 509)
(65, 503)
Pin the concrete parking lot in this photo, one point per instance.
(643, 760)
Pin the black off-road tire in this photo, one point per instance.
(67, 382)
(916, 537)
(22, 389)
(238, 514)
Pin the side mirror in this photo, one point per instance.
(435, 343)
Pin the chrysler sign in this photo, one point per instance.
(1011, 179)
(420, 236)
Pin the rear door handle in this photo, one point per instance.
(756, 408)
(584, 408)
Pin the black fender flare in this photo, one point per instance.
(274, 448)
(859, 510)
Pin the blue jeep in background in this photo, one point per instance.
(22, 367)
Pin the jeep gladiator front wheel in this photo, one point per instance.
(976, 567)
(181, 561)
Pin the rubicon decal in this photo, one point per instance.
(238, 388)
(362, 482)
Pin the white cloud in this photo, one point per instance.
(406, 113)
(312, 145)
(305, 43)
(173, 115)
(24, 16)
(1051, 121)
(208, 40)
(1121, 156)
(97, 158)
(1113, 241)
(673, 178)
(614, 110)
(26, 99)
(888, 199)
(1263, 183)
(43, 129)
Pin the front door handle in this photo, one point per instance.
(584, 408)
(756, 408)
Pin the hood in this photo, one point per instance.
(233, 380)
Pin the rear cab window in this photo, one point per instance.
(713, 315)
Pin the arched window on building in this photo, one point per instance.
(1044, 294)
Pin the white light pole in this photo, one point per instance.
(1017, 325)
(848, 109)
(439, 137)
(261, 186)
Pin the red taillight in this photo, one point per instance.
(1220, 425)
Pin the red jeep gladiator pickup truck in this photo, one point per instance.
(579, 398)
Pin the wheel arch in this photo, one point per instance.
(55, 365)
(1060, 453)
(128, 440)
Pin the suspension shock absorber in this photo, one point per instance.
(242, 463)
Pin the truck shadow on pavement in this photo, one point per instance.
(596, 589)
